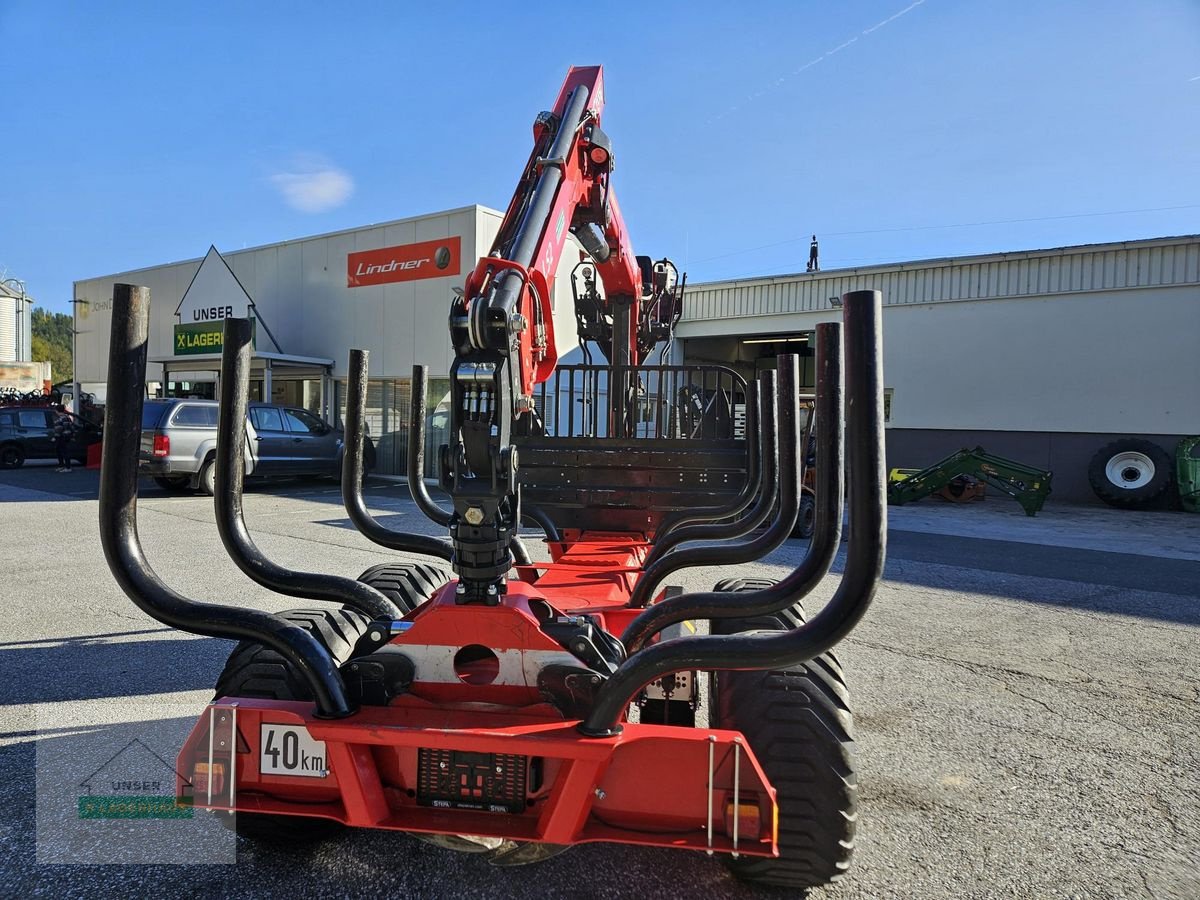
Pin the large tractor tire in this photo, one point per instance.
(257, 671)
(1130, 473)
(799, 724)
(408, 585)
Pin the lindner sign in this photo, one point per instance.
(407, 262)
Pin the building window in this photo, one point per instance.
(388, 409)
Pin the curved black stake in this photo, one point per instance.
(230, 476)
(781, 495)
(765, 491)
(862, 313)
(118, 523)
(352, 474)
(755, 448)
(416, 449)
(827, 527)
(416, 463)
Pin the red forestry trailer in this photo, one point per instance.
(520, 702)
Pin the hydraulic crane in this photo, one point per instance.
(522, 705)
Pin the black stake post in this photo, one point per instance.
(352, 474)
(118, 523)
(702, 524)
(230, 478)
(862, 314)
(827, 526)
(781, 468)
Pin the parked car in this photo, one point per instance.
(27, 432)
(179, 440)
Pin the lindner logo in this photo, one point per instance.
(407, 262)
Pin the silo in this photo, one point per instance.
(8, 327)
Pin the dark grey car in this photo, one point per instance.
(179, 439)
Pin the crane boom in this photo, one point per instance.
(502, 326)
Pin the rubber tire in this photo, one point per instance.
(11, 456)
(799, 724)
(408, 585)
(207, 482)
(172, 483)
(1126, 498)
(253, 670)
(806, 518)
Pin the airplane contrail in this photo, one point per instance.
(820, 59)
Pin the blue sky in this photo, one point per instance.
(139, 133)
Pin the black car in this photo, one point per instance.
(27, 432)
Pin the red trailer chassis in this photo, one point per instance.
(500, 704)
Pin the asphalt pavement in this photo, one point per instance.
(1027, 694)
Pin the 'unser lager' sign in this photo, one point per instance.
(202, 337)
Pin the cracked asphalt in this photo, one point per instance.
(1027, 695)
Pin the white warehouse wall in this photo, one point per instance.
(1111, 361)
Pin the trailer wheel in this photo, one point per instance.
(1130, 473)
(408, 585)
(257, 671)
(799, 724)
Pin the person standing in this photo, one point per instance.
(64, 432)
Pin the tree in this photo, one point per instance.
(52, 340)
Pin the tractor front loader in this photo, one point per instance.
(526, 699)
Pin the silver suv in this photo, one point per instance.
(179, 440)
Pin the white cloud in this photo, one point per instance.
(314, 185)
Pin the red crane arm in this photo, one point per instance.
(565, 188)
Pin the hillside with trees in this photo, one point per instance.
(52, 340)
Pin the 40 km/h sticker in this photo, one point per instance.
(291, 750)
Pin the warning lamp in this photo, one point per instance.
(749, 819)
(208, 780)
(599, 147)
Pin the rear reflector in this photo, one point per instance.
(162, 445)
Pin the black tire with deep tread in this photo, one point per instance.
(257, 671)
(1126, 498)
(408, 585)
(799, 724)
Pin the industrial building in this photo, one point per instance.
(1043, 355)
(384, 288)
